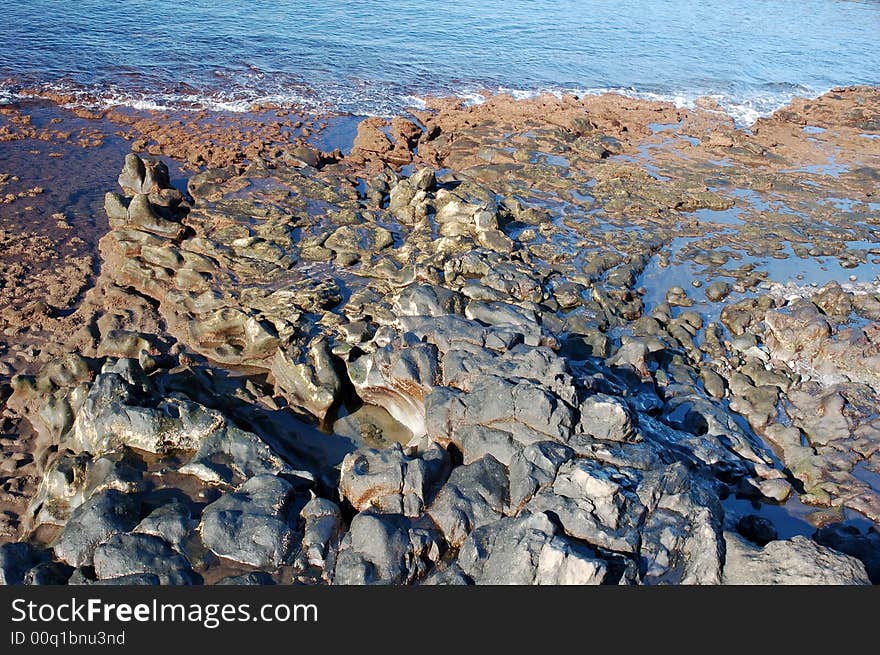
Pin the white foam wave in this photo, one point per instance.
(7, 95)
(415, 102)
(745, 107)
(236, 101)
(192, 102)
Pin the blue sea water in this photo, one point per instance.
(377, 56)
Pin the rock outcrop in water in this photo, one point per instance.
(482, 368)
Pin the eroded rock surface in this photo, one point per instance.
(467, 354)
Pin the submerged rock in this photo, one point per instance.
(718, 291)
(757, 529)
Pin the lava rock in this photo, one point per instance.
(385, 549)
(94, 522)
(172, 522)
(850, 540)
(254, 524)
(16, 559)
(757, 529)
(529, 550)
(791, 562)
(136, 554)
(474, 495)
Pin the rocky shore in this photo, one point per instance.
(553, 341)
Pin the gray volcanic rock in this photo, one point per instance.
(123, 408)
(49, 573)
(135, 554)
(307, 378)
(426, 300)
(398, 379)
(593, 504)
(172, 522)
(322, 534)
(474, 495)
(681, 535)
(514, 395)
(510, 317)
(476, 441)
(70, 480)
(374, 478)
(385, 549)
(250, 579)
(450, 331)
(535, 467)
(851, 541)
(16, 559)
(465, 365)
(135, 579)
(526, 410)
(797, 561)
(230, 455)
(606, 417)
(94, 522)
(173, 424)
(528, 550)
(447, 574)
(254, 524)
(119, 411)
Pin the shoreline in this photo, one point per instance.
(639, 271)
(95, 106)
(744, 109)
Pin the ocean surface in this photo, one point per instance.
(379, 56)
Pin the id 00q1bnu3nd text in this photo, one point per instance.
(66, 638)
